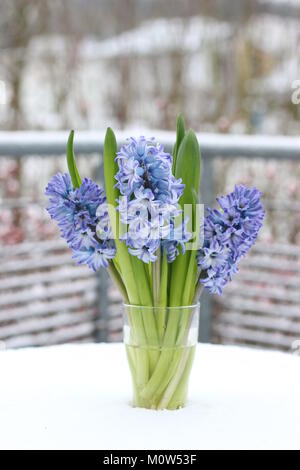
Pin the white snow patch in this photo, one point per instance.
(73, 397)
(151, 37)
(283, 2)
(160, 36)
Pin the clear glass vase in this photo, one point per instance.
(160, 344)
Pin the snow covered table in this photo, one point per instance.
(79, 397)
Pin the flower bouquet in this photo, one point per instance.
(146, 229)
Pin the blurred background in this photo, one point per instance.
(230, 66)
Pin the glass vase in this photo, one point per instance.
(160, 344)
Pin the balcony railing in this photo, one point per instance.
(45, 299)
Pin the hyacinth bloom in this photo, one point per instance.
(82, 216)
(137, 229)
(228, 236)
(149, 202)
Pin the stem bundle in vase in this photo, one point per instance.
(146, 230)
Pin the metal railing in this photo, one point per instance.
(18, 144)
(50, 144)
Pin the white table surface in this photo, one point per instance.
(78, 397)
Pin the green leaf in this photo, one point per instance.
(188, 167)
(112, 194)
(183, 267)
(110, 167)
(110, 171)
(179, 138)
(75, 177)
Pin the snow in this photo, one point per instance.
(70, 397)
(151, 37)
(283, 2)
(157, 37)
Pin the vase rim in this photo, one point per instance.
(160, 307)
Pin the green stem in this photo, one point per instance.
(162, 299)
(116, 278)
(159, 378)
(190, 280)
(142, 365)
(147, 314)
(163, 286)
(176, 393)
(198, 291)
(170, 390)
(160, 375)
(156, 278)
